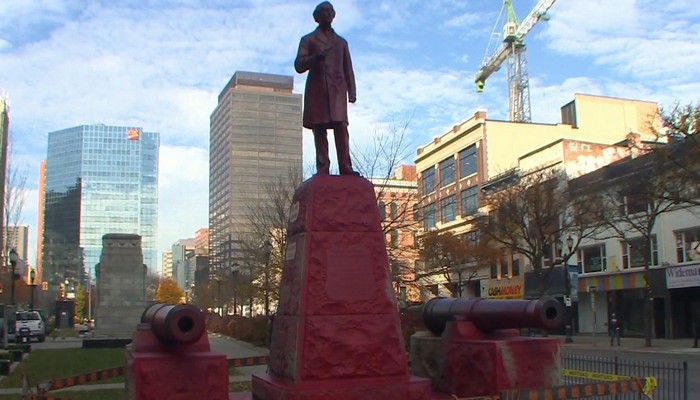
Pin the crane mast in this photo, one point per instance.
(513, 49)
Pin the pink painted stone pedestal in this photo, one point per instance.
(467, 362)
(174, 372)
(337, 334)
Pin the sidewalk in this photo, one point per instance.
(602, 342)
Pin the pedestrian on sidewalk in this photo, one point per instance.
(696, 326)
(614, 329)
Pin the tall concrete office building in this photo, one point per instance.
(255, 139)
(99, 179)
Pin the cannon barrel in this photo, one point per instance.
(175, 323)
(489, 315)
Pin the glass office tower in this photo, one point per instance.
(99, 179)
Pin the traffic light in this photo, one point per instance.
(44, 285)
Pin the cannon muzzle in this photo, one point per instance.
(488, 315)
(175, 323)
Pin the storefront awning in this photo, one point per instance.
(630, 280)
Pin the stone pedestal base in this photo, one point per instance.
(486, 366)
(337, 334)
(400, 388)
(178, 372)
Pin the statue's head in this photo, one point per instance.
(324, 9)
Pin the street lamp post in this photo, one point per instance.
(13, 262)
(234, 273)
(568, 301)
(32, 275)
(218, 294)
(266, 248)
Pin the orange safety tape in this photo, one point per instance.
(575, 391)
(81, 379)
(247, 361)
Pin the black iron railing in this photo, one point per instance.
(671, 376)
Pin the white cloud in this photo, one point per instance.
(183, 186)
(646, 41)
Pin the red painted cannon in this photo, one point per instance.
(490, 315)
(169, 352)
(175, 323)
(474, 347)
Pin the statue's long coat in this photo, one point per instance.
(330, 82)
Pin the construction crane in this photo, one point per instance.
(512, 47)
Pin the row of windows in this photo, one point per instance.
(266, 98)
(393, 210)
(501, 270)
(468, 165)
(469, 205)
(594, 258)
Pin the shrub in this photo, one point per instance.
(253, 330)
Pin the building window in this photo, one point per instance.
(447, 172)
(428, 180)
(394, 210)
(504, 268)
(394, 238)
(592, 259)
(516, 267)
(382, 210)
(471, 238)
(633, 256)
(470, 201)
(416, 212)
(467, 162)
(494, 270)
(449, 209)
(568, 114)
(634, 204)
(430, 220)
(688, 245)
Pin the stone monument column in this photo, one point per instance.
(121, 281)
(337, 333)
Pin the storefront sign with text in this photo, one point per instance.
(504, 289)
(681, 277)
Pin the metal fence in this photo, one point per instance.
(671, 376)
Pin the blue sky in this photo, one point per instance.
(160, 64)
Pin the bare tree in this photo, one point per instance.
(396, 199)
(267, 218)
(529, 215)
(15, 197)
(389, 149)
(633, 195)
(13, 205)
(679, 160)
(451, 256)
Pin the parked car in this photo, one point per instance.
(32, 321)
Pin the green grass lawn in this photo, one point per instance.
(43, 365)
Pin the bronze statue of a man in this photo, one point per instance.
(329, 86)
